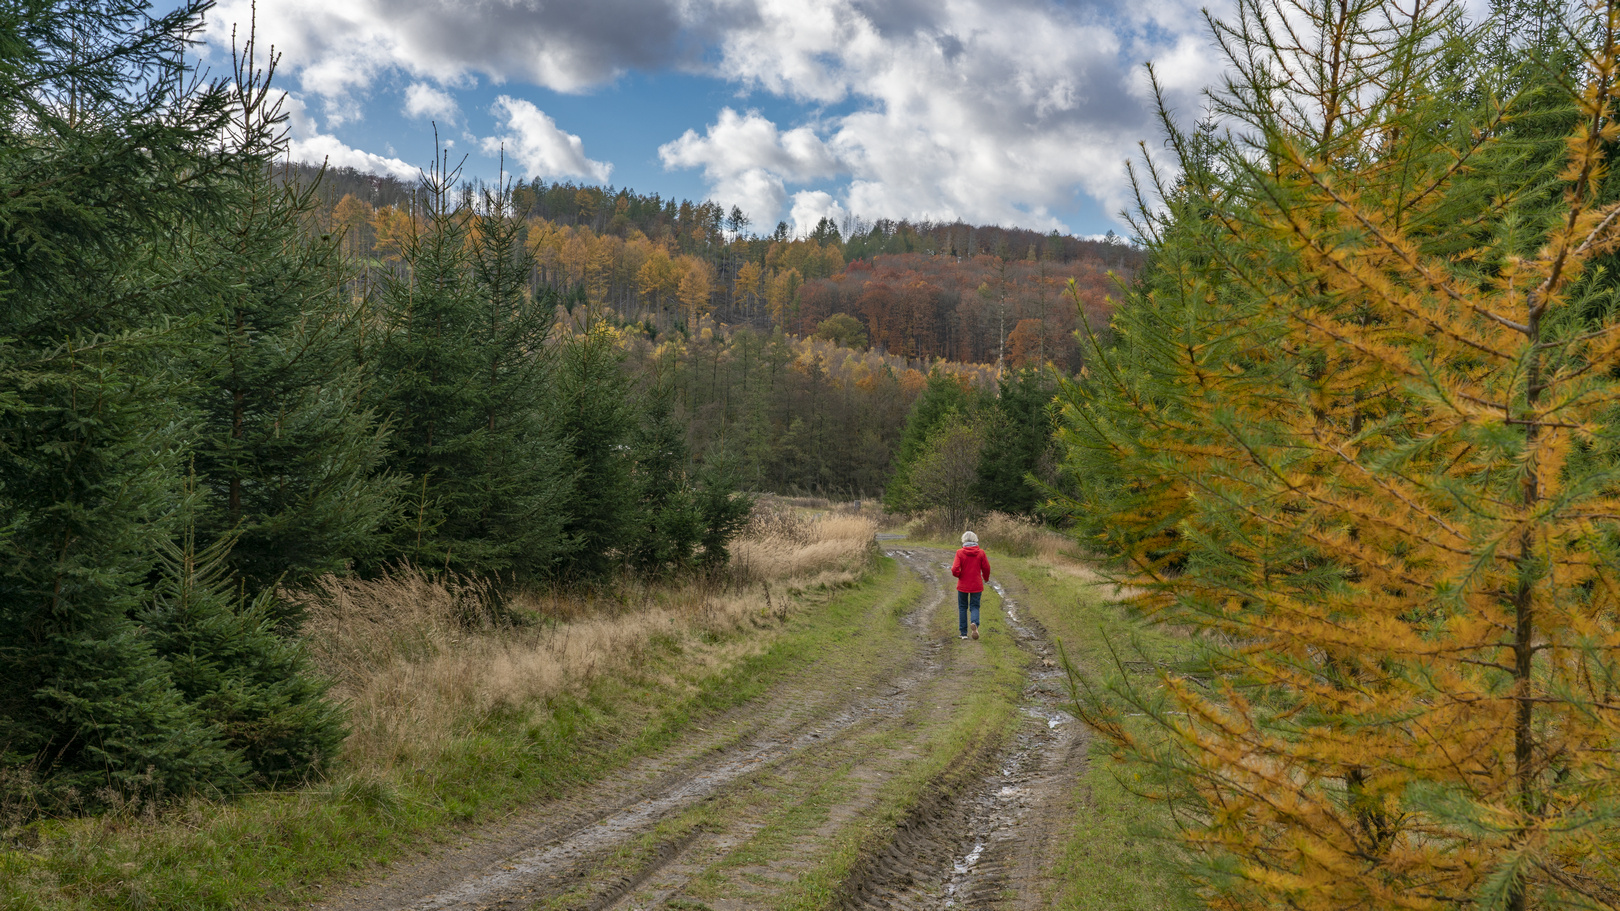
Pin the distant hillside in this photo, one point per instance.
(973, 309)
(925, 291)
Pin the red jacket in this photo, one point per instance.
(971, 569)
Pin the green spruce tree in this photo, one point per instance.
(595, 417)
(1018, 444)
(944, 396)
(670, 525)
(288, 454)
(465, 375)
(111, 163)
(254, 688)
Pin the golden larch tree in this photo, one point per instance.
(1360, 429)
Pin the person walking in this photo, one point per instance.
(971, 569)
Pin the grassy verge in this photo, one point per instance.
(276, 850)
(1119, 854)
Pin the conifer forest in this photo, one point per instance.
(339, 511)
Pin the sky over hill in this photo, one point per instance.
(1016, 112)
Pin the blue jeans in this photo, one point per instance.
(966, 601)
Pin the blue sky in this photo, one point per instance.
(1017, 112)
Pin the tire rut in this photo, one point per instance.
(985, 838)
(549, 854)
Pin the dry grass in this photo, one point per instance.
(998, 533)
(418, 659)
(782, 543)
(1021, 537)
(770, 504)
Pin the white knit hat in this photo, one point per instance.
(968, 538)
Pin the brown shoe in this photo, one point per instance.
(973, 630)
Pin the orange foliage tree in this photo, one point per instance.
(1359, 427)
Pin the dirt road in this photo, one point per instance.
(885, 775)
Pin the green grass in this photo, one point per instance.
(279, 849)
(1120, 853)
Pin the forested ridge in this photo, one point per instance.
(795, 359)
(972, 294)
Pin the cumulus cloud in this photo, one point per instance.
(539, 146)
(977, 109)
(811, 206)
(747, 160)
(306, 143)
(424, 102)
(339, 51)
(986, 110)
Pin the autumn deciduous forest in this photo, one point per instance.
(957, 292)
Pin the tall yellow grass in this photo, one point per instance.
(783, 542)
(998, 533)
(1021, 537)
(419, 659)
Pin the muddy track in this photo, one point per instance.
(988, 836)
(741, 810)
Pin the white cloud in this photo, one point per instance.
(747, 161)
(424, 102)
(982, 110)
(339, 51)
(737, 143)
(539, 146)
(987, 110)
(332, 151)
(306, 143)
(810, 206)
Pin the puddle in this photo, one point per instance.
(966, 863)
(1052, 716)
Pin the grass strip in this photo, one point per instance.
(281, 849)
(1120, 853)
(953, 761)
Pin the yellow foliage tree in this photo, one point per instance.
(657, 277)
(546, 241)
(748, 277)
(349, 217)
(637, 250)
(1361, 428)
(781, 294)
(832, 260)
(394, 228)
(603, 254)
(576, 255)
(695, 285)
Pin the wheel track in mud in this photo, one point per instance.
(989, 836)
(965, 845)
(544, 850)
